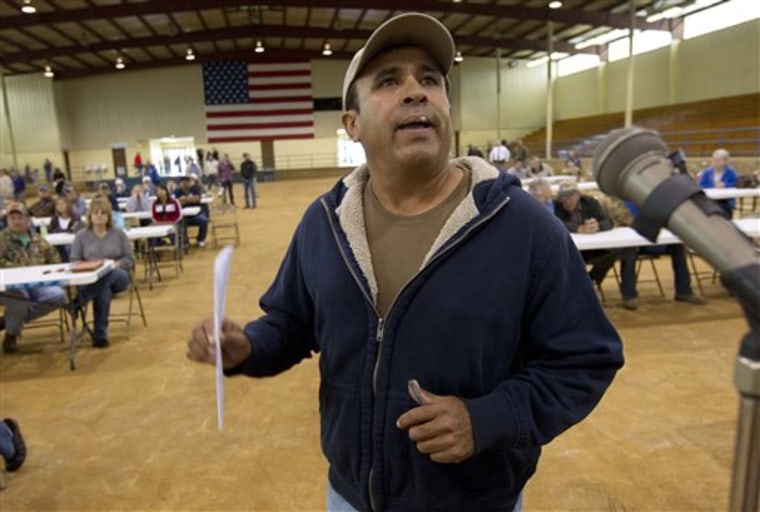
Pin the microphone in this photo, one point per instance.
(632, 163)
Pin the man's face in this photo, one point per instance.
(718, 163)
(184, 185)
(404, 112)
(544, 194)
(570, 202)
(18, 222)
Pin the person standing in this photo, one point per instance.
(248, 172)
(456, 326)
(499, 156)
(48, 167)
(226, 171)
(138, 163)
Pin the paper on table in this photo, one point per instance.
(221, 276)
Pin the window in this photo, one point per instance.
(719, 17)
(642, 42)
(577, 63)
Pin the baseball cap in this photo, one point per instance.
(408, 29)
(567, 189)
(16, 207)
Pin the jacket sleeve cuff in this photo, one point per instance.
(494, 423)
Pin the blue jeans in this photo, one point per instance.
(336, 503)
(677, 254)
(32, 303)
(201, 221)
(7, 450)
(100, 293)
(249, 190)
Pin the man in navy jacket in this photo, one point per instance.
(456, 326)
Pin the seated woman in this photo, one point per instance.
(139, 202)
(64, 221)
(165, 209)
(101, 240)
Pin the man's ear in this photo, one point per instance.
(351, 124)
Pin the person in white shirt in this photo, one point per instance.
(499, 155)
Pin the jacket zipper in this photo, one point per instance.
(381, 321)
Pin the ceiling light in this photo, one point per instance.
(327, 51)
(49, 72)
(259, 47)
(120, 63)
(556, 4)
(28, 8)
(190, 55)
(458, 57)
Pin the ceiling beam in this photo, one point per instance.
(269, 56)
(260, 31)
(574, 16)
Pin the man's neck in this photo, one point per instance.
(404, 195)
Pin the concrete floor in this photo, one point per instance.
(134, 427)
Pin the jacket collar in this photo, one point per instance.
(487, 188)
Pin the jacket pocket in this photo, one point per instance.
(340, 416)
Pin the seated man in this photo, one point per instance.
(45, 205)
(542, 190)
(22, 247)
(623, 213)
(584, 214)
(186, 197)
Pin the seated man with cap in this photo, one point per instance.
(584, 214)
(45, 206)
(23, 247)
(187, 197)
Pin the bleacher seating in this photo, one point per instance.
(698, 127)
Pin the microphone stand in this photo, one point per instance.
(744, 283)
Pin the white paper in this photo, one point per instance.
(221, 276)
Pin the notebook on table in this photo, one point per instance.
(86, 266)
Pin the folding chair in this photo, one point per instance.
(61, 323)
(701, 275)
(134, 296)
(133, 291)
(154, 253)
(651, 259)
(223, 223)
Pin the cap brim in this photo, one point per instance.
(409, 29)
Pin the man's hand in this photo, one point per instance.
(440, 426)
(590, 226)
(236, 347)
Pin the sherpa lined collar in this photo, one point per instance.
(350, 214)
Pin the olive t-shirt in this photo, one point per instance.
(399, 243)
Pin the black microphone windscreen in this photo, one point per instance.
(618, 150)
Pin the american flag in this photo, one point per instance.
(246, 102)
